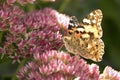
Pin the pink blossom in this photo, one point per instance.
(31, 33)
(9, 15)
(11, 1)
(110, 74)
(53, 65)
(22, 2)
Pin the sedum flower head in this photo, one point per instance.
(30, 33)
(110, 74)
(53, 65)
(22, 2)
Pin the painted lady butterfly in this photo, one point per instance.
(84, 38)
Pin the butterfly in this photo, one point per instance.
(84, 38)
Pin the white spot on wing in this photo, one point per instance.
(81, 29)
(86, 21)
(93, 21)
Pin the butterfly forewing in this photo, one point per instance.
(92, 23)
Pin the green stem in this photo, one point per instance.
(63, 5)
(19, 67)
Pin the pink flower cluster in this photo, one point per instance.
(110, 74)
(30, 33)
(9, 16)
(22, 2)
(53, 65)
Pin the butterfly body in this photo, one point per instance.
(84, 38)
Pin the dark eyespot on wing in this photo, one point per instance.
(77, 32)
(70, 33)
(91, 35)
(83, 32)
(70, 26)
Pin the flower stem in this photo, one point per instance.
(19, 67)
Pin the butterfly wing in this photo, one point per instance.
(84, 38)
(92, 23)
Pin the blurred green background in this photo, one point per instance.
(79, 8)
